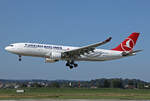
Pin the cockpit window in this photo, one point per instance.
(11, 45)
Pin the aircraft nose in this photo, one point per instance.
(7, 49)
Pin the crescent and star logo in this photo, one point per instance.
(127, 45)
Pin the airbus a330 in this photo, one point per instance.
(54, 53)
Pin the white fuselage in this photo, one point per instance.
(44, 50)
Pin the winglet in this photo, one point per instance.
(107, 40)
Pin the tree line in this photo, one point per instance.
(97, 83)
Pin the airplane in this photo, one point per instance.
(54, 53)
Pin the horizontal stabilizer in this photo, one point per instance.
(130, 53)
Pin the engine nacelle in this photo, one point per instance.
(55, 55)
(50, 60)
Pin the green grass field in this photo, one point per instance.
(75, 93)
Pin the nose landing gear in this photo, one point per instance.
(71, 64)
(20, 58)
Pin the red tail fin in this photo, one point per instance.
(128, 43)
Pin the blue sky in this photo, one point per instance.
(75, 23)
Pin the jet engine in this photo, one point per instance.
(50, 60)
(55, 55)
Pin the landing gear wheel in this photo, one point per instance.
(71, 64)
(75, 65)
(20, 58)
(71, 67)
(67, 64)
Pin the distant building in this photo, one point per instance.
(16, 86)
(129, 86)
(20, 91)
(93, 87)
(1, 85)
(70, 84)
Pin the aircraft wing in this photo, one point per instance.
(84, 49)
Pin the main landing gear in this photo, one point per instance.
(20, 58)
(71, 64)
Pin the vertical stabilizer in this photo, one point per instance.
(128, 43)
